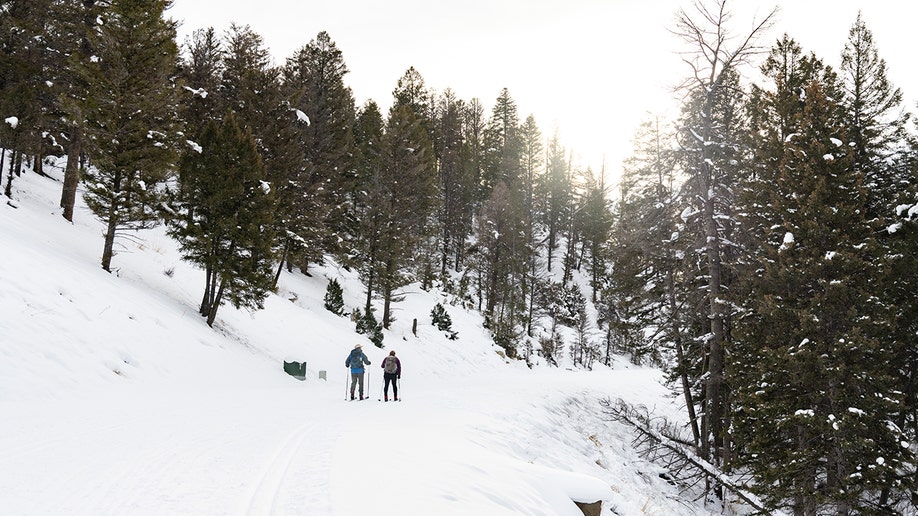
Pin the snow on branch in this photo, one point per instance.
(908, 212)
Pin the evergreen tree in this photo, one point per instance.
(366, 325)
(252, 88)
(314, 77)
(440, 318)
(875, 117)
(455, 182)
(533, 167)
(369, 192)
(554, 193)
(411, 91)
(24, 98)
(334, 297)
(814, 370)
(532, 158)
(405, 201)
(131, 125)
(201, 74)
(224, 223)
(473, 152)
(502, 264)
(876, 126)
(75, 42)
(503, 158)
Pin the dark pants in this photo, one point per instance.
(391, 377)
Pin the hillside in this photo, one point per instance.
(117, 398)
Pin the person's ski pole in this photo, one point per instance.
(346, 379)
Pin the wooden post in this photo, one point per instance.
(414, 327)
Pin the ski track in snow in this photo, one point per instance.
(299, 465)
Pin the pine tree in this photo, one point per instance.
(473, 152)
(554, 193)
(876, 123)
(202, 74)
(502, 264)
(533, 167)
(132, 124)
(815, 369)
(314, 78)
(368, 192)
(24, 96)
(225, 218)
(334, 297)
(455, 183)
(253, 90)
(875, 117)
(406, 199)
(75, 43)
(411, 91)
(504, 146)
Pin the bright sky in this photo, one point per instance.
(592, 69)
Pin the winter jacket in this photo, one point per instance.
(398, 365)
(356, 360)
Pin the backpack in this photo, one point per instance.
(355, 361)
(391, 365)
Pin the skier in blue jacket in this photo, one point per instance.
(355, 361)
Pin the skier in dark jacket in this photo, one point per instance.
(392, 371)
(355, 361)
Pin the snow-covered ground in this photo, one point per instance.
(116, 397)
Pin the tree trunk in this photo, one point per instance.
(8, 190)
(108, 250)
(212, 315)
(204, 309)
(71, 174)
(19, 159)
(716, 342)
(683, 366)
(387, 288)
(2, 162)
(532, 295)
(371, 280)
(387, 302)
(280, 266)
(551, 243)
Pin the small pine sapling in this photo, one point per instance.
(443, 322)
(367, 325)
(334, 298)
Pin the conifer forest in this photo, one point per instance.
(761, 247)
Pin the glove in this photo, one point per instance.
(399, 377)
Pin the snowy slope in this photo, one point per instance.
(117, 398)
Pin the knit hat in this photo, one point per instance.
(392, 353)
